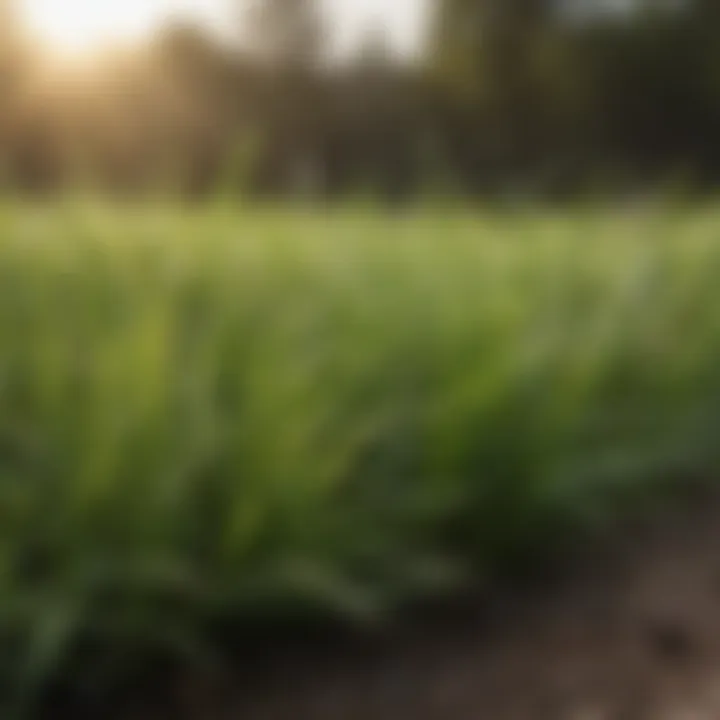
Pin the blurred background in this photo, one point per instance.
(328, 97)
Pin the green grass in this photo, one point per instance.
(216, 415)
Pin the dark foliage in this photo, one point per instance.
(521, 96)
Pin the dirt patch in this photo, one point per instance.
(632, 634)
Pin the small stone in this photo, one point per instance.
(670, 640)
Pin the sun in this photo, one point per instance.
(82, 25)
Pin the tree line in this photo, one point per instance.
(547, 97)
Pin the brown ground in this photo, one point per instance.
(634, 634)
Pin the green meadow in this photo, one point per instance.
(216, 416)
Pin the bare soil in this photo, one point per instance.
(630, 633)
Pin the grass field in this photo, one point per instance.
(210, 416)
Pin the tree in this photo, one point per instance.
(287, 39)
(284, 33)
(12, 65)
(487, 59)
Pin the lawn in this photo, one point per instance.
(214, 416)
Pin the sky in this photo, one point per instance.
(405, 19)
(75, 24)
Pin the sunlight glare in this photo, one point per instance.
(79, 26)
(82, 25)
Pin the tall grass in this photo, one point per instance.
(211, 416)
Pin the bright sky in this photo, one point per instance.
(81, 25)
